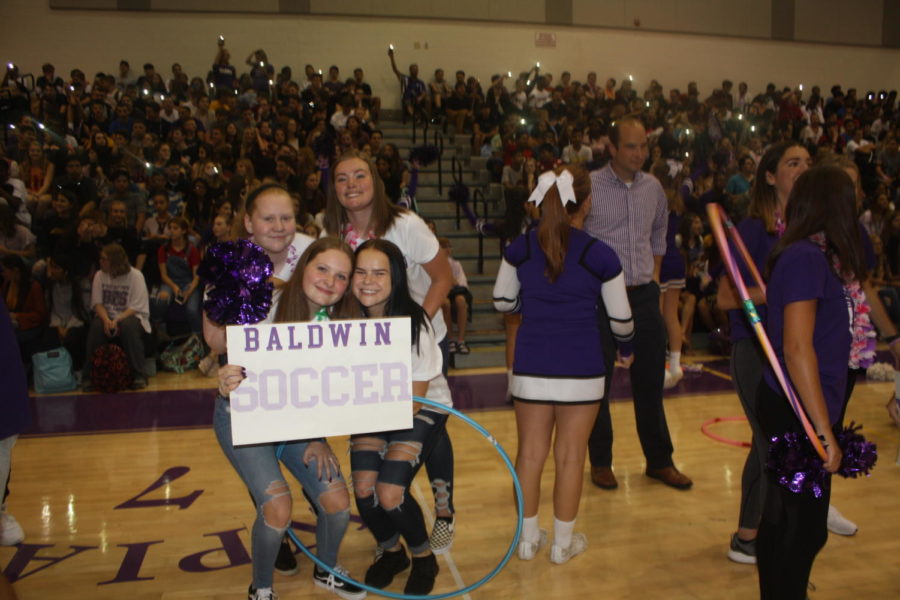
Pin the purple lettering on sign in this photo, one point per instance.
(171, 474)
(251, 339)
(272, 389)
(315, 336)
(232, 546)
(383, 334)
(28, 552)
(274, 340)
(340, 332)
(297, 387)
(362, 334)
(361, 376)
(293, 345)
(395, 378)
(131, 563)
(327, 372)
(245, 398)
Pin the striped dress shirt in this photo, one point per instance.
(632, 220)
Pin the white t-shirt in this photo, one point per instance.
(117, 294)
(426, 366)
(419, 246)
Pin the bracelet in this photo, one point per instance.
(891, 340)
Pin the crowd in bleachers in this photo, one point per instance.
(159, 165)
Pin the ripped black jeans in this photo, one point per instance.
(383, 465)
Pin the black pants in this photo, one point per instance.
(647, 375)
(793, 527)
(747, 360)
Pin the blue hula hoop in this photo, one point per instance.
(520, 508)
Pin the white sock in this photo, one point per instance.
(674, 361)
(562, 532)
(530, 531)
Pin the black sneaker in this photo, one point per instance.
(382, 571)
(286, 562)
(338, 586)
(421, 578)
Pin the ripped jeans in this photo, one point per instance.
(384, 464)
(259, 469)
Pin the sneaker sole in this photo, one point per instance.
(441, 551)
(287, 572)
(740, 557)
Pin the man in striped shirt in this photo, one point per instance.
(629, 213)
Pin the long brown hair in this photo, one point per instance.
(383, 210)
(553, 231)
(293, 307)
(823, 200)
(118, 260)
(763, 198)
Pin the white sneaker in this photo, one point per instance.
(672, 378)
(838, 523)
(11, 532)
(261, 594)
(561, 555)
(528, 550)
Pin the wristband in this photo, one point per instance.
(891, 340)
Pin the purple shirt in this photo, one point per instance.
(759, 244)
(630, 219)
(803, 273)
(560, 335)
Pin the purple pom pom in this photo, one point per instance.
(237, 275)
(798, 468)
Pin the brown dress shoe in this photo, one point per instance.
(672, 477)
(604, 478)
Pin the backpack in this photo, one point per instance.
(53, 372)
(110, 371)
(182, 356)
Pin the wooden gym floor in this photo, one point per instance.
(129, 496)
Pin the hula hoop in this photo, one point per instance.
(716, 218)
(520, 508)
(705, 428)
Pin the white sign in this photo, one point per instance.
(310, 380)
(544, 39)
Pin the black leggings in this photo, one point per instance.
(793, 527)
(747, 360)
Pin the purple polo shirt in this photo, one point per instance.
(803, 273)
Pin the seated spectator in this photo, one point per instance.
(13, 193)
(199, 208)
(121, 308)
(15, 239)
(74, 180)
(512, 173)
(415, 93)
(37, 173)
(485, 127)
(576, 152)
(65, 303)
(457, 307)
(875, 217)
(393, 182)
(50, 226)
(459, 108)
(156, 227)
(123, 190)
(440, 91)
(25, 301)
(339, 118)
(738, 186)
(178, 261)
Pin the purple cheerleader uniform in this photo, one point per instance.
(559, 357)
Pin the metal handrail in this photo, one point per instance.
(456, 172)
(478, 193)
(439, 144)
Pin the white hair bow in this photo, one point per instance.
(563, 183)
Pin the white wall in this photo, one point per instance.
(96, 40)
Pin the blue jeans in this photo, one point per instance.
(259, 469)
(192, 308)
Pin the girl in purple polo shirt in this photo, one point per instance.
(814, 301)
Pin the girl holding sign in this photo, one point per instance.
(384, 464)
(358, 210)
(315, 290)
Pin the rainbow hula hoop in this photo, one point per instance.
(717, 217)
(520, 508)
